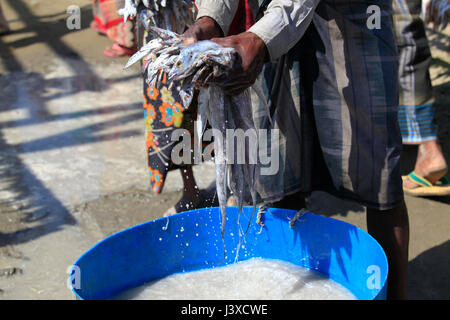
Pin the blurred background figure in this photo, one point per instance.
(4, 28)
(437, 12)
(416, 111)
(108, 22)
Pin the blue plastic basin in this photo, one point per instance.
(193, 241)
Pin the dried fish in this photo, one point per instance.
(166, 52)
(297, 217)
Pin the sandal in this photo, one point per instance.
(117, 51)
(425, 188)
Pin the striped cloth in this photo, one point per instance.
(416, 110)
(417, 123)
(334, 99)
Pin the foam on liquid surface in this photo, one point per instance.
(248, 280)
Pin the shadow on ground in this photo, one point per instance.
(121, 210)
(29, 209)
(49, 32)
(434, 262)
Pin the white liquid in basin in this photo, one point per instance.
(253, 279)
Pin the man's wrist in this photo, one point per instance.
(208, 28)
(260, 45)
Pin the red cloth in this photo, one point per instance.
(243, 19)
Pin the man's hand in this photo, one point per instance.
(252, 53)
(204, 28)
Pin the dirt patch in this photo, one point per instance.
(114, 212)
(117, 211)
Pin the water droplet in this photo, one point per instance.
(187, 244)
(160, 239)
(181, 229)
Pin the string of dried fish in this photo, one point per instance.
(173, 15)
(297, 216)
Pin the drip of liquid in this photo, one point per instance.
(253, 279)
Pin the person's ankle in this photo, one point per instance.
(430, 161)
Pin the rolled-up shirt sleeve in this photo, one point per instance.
(222, 11)
(283, 24)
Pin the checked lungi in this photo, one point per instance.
(334, 98)
(416, 107)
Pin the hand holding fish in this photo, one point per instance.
(202, 63)
(251, 54)
(204, 28)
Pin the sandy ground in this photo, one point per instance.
(72, 162)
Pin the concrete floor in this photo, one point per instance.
(72, 160)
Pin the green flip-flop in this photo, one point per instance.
(426, 188)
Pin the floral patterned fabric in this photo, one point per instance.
(163, 113)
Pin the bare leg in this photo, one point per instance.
(391, 229)
(430, 163)
(191, 191)
(191, 194)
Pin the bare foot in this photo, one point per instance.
(231, 202)
(430, 164)
(117, 50)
